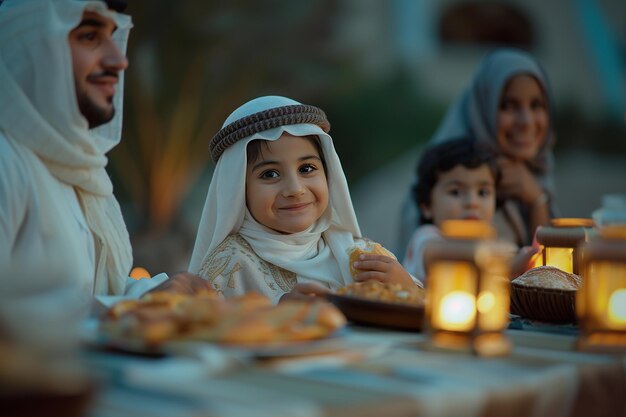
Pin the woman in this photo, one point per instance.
(507, 104)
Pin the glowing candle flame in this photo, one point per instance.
(617, 306)
(486, 301)
(457, 310)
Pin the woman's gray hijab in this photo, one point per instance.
(474, 112)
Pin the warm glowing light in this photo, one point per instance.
(617, 306)
(561, 258)
(457, 310)
(467, 229)
(139, 273)
(571, 222)
(537, 259)
(613, 232)
(486, 302)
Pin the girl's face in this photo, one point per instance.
(522, 121)
(462, 194)
(286, 188)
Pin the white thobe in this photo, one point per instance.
(41, 221)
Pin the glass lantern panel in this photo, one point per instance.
(452, 295)
(493, 301)
(605, 295)
(561, 258)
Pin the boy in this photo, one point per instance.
(457, 181)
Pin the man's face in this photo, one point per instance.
(96, 62)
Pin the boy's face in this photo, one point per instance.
(522, 122)
(286, 188)
(96, 62)
(462, 194)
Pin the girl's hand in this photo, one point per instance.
(518, 182)
(184, 283)
(305, 291)
(383, 269)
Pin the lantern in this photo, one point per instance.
(560, 241)
(601, 302)
(467, 292)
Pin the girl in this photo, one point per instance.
(278, 218)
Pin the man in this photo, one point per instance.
(56, 199)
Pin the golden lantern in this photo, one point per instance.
(560, 241)
(601, 302)
(467, 292)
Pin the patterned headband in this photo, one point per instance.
(265, 120)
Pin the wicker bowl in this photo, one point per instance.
(545, 304)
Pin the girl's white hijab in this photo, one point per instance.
(39, 109)
(317, 254)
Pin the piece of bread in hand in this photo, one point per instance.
(365, 246)
(549, 277)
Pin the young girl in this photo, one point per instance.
(457, 181)
(278, 218)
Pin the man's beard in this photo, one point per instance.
(95, 115)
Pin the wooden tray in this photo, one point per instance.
(380, 314)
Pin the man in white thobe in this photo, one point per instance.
(61, 80)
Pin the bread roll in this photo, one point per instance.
(365, 246)
(549, 277)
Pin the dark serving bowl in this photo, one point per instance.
(379, 314)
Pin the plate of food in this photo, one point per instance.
(384, 305)
(285, 348)
(162, 322)
(545, 293)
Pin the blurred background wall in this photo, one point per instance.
(384, 71)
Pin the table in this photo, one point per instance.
(380, 373)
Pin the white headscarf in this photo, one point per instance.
(39, 109)
(306, 254)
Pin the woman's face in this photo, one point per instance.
(522, 122)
